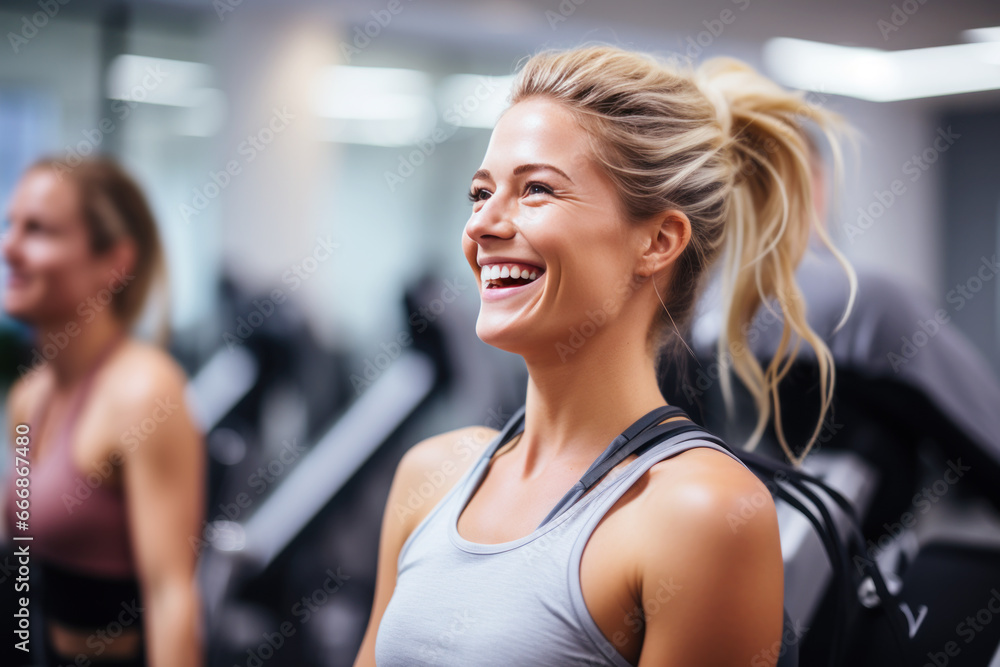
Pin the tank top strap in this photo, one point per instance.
(611, 489)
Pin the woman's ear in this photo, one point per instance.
(665, 237)
(121, 258)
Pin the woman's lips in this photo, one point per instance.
(497, 293)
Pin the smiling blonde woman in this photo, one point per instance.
(610, 185)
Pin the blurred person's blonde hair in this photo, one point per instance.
(114, 208)
(726, 146)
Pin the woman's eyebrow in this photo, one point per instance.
(520, 169)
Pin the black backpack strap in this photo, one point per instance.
(623, 446)
(515, 425)
(628, 442)
(644, 432)
(619, 448)
(840, 554)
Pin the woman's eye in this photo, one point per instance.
(538, 189)
(476, 194)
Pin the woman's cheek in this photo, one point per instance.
(529, 215)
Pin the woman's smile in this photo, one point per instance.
(499, 280)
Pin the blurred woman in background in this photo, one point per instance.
(610, 185)
(115, 471)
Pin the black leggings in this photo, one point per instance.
(100, 606)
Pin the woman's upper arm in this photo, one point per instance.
(452, 451)
(713, 576)
(394, 533)
(163, 474)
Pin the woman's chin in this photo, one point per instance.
(501, 335)
(513, 338)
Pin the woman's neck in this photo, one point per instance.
(70, 348)
(578, 402)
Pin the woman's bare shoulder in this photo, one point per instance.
(430, 468)
(21, 396)
(26, 394)
(452, 451)
(142, 362)
(142, 380)
(703, 480)
(711, 498)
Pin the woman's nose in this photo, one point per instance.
(494, 218)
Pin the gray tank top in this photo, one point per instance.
(513, 603)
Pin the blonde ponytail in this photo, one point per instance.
(726, 146)
(770, 221)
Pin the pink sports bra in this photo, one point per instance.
(77, 517)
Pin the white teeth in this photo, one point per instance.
(497, 271)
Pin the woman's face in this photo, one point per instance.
(541, 202)
(46, 247)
